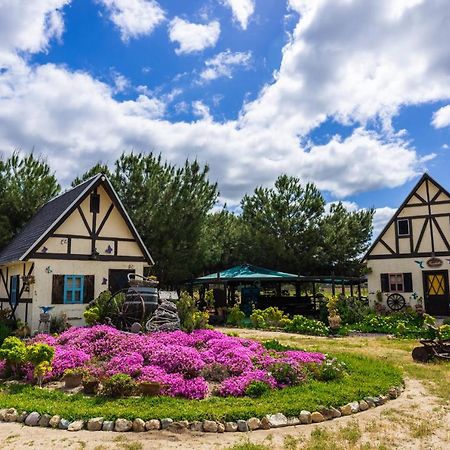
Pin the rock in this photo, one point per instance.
(370, 401)
(210, 426)
(253, 423)
(32, 419)
(165, 318)
(293, 421)
(2, 414)
(317, 417)
(63, 424)
(335, 412)
(138, 425)
(11, 415)
(54, 421)
(44, 421)
(95, 424)
(346, 410)
(179, 426)
(277, 420)
(354, 406)
(165, 423)
(363, 405)
(220, 427)
(108, 425)
(393, 393)
(152, 424)
(231, 427)
(265, 423)
(377, 401)
(196, 426)
(383, 399)
(76, 425)
(242, 426)
(305, 417)
(22, 416)
(123, 425)
(327, 413)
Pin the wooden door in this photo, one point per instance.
(436, 292)
(118, 279)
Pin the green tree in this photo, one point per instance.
(94, 170)
(345, 237)
(26, 183)
(282, 225)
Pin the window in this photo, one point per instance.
(396, 282)
(14, 290)
(95, 203)
(73, 288)
(403, 227)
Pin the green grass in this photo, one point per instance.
(366, 377)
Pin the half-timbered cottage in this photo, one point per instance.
(409, 262)
(76, 246)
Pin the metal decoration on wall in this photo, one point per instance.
(420, 264)
(44, 249)
(414, 296)
(48, 269)
(104, 281)
(109, 249)
(396, 302)
(63, 241)
(130, 266)
(434, 262)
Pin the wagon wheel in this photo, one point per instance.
(133, 309)
(396, 302)
(421, 354)
(114, 308)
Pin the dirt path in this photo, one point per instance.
(416, 421)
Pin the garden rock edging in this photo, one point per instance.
(270, 421)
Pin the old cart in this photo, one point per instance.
(432, 348)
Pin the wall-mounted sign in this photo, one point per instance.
(435, 262)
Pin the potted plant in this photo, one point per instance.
(73, 377)
(150, 388)
(90, 384)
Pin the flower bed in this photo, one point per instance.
(193, 366)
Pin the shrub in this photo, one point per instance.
(329, 369)
(200, 320)
(100, 308)
(235, 316)
(257, 388)
(286, 374)
(14, 352)
(186, 309)
(351, 309)
(273, 344)
(301, 324)
(271, 317)
(5, 331)
(215, 372)
(118, 385)
(41, 356)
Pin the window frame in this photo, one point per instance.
(73, 289)
(398, 228)
(396, 283)
(14, 282)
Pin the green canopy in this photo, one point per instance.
(246, 272)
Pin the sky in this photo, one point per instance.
(353, 95)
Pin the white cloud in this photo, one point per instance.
(242, 10)
(348, 61)
(224, 63)
(381, 218)
(193, 37)
(441, 118)
(134, 18)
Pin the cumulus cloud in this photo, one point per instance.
(193, 37)
(134, 18)
(347, 60)
(224, 64)
(381, 218)
(441, 118)
(242, 10)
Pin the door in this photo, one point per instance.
(14, 290)
(118, 279)
(436, 293)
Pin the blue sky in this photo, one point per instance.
(350, 94)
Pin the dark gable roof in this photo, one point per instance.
(53, 213)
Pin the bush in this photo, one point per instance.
(119, 385)
(286, 374)
(5, 331)
(14, 352)
(235, 316)
(269, 318)
(100, 308)
(330, 369)
(351, 309)
(190, 317)
(215, 372)
(257, 388)
(273, 344)
(303, 325)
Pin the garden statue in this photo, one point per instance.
(165, 318)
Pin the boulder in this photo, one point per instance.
(335, 412)
(305, 417)
(44, 421)
(123, 425)
(317, 417)
(327, 413)
(265, 423)
(196, 426)
(54, 421)
(76, 425)
(108, 425)
(32, 419)
(393, 393)
(165, 318)
(210, 426)
(22, 416)
(277, 420)
(363, 405)
(354, 406)
(11, 415)
(165, 423)
(231, 427)
(152, 424)
(2, 414)
(138, 425)
(180, 426)
(95, 424)
(293, 421)
(242, 426)
(63, 424)
(220, 427)
(253, 423)
(346, 410)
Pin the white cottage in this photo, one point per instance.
(76, 246)
(409, 261)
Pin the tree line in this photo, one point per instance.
(286, 227)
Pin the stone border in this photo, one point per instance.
(269, 421)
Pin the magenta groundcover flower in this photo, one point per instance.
(176, 360)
